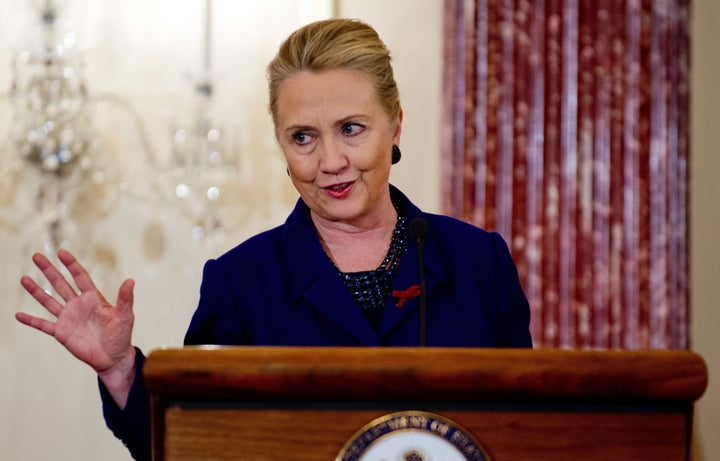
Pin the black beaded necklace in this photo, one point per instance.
(371, 288)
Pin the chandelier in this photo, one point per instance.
(57, 150)
(51, 130)
(203, 161)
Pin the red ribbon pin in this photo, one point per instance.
(403, 295)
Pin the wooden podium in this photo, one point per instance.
(302, 404)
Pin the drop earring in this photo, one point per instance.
(396, 154)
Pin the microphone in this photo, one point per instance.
(418, 231)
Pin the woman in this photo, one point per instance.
(340, 271)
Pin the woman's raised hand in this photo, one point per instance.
(86, 324)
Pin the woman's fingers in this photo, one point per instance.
(81, 276)
(125, 295)
(43, 325)
(56, 279)
(41, 296)
(60, 284)
(89, 327)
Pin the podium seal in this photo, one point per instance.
(412, 436)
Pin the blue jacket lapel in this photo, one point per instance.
(408, 276)
(315, 279)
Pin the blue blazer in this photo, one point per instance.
(280, 288)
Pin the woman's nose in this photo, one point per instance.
(332, 158)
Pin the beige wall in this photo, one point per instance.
(147, 52)
(705, 217)
(49, 403)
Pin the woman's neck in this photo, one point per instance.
(357, 247)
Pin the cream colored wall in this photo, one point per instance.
(49, 407)
(147, 52)
(705, 217)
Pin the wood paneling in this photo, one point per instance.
(319, 435)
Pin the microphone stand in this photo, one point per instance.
(418, 231)
(423, 307)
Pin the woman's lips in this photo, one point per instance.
(340, 190)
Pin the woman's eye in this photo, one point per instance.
(301, 138)
(351, 129)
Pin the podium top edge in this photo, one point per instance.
(408, 372)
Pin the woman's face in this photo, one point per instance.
(337, 141)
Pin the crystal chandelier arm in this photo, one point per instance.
(137, 121)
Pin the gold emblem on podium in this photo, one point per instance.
(412, 436)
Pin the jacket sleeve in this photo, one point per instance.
(213, 323)
(514, 308)
(216, 319)
(131, 424)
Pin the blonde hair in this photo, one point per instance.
(335, 44)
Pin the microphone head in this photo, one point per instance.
(418, 229)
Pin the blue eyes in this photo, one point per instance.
(350, 129)
(303, 138)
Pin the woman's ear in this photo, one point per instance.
(398, 128)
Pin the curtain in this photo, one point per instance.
(565, 129)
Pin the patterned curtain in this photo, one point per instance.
(565, 129)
